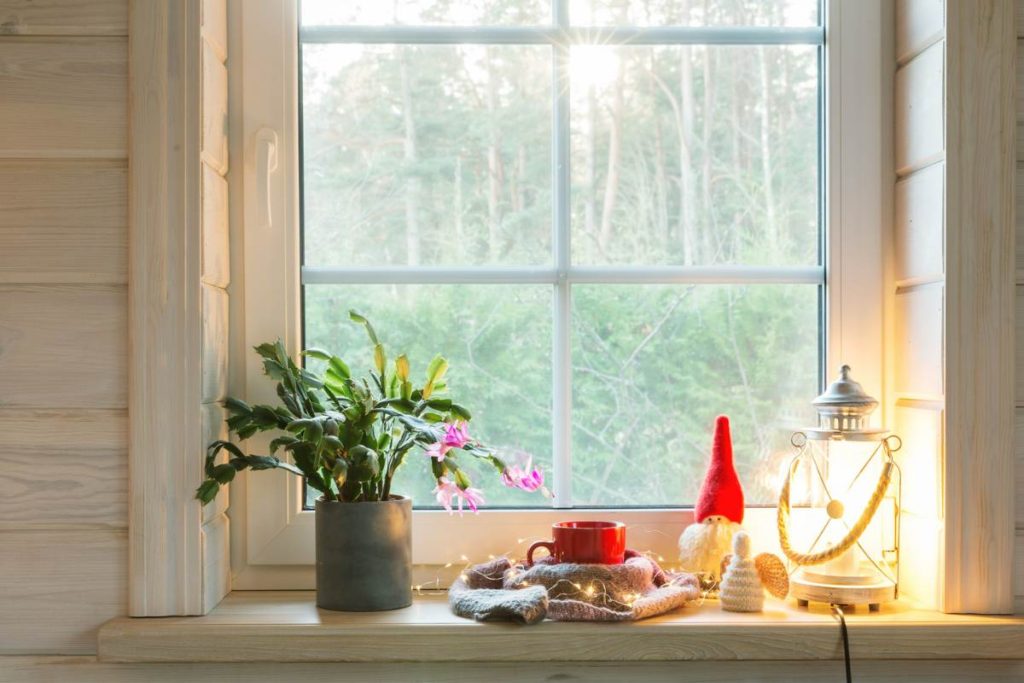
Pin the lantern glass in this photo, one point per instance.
(839, 514)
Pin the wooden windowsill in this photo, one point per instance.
(285, 626)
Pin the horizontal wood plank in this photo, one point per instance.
(58, 587)
(286, 626)
(918, 345)
(63, 221)
(920, 458)
(215, 26)
(63, 346)
(919, 111)
(1019, 347)
(216, 254)
(919, 23)
(920, 554)
(64, 467)
(64, 17)
(1018, 444)
(215, 111)
(215, 344)
(216, 561)
(89, 670)
(215, 429)
(64, 97)
(918, 230)
(1019, 219)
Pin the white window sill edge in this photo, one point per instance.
(286, 626)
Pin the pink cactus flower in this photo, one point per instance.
(455, 436)
(436, 450)
(525, 477)
(447, 491)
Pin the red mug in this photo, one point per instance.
(584, 543)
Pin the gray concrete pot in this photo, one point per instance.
(364, 555)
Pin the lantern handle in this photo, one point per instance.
(852, 537)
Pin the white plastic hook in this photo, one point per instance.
(266, 163)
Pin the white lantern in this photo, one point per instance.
(839, 507)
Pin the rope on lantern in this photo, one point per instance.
(855, 532)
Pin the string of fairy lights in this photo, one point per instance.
(594, 592)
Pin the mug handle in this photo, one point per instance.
(539, 544)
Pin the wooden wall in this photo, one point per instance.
(918, 280)
(1019, 474)
(63, 324)
(215, 275)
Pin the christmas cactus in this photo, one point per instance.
(348, 436)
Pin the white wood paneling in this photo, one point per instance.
(1018, 564)
(1019, 347)
(919, 206)
(64, 467)
(1019, 220)
(89, 670)
(979, 532)
(918, 341)
(216, 256)
(215, 429)
(215, 26)
(215, 111)
(919, 23)
(921, 540)
(215, 344)
(1019, 464)
(920, 459)
(216, 561)
(919, 137)
(63, 221)
(1020, 99)
(63, 97)
(64, 17)
(58, 587)
(63, 346)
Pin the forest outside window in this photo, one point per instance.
(607, 213)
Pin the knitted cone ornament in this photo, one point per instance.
(741, 586)
(718, 513)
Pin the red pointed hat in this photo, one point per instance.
(721, 493)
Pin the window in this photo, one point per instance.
(613, 233)
(616, 218)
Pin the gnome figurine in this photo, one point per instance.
(718, 513)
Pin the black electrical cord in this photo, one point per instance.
(838, 611)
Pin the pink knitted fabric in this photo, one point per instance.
(636, 589)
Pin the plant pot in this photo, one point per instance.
(364, 555)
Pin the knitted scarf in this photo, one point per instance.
(636, 589)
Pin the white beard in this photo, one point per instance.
(702, 545)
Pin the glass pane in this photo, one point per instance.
(436, 12)
(695, 155)
(497, 340)
(654, 365)
(694, 13)
(426, 155)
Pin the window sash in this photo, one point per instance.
(562, 35)
(272, 537)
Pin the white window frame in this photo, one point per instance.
(272, 544)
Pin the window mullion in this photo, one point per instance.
(561, 360)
